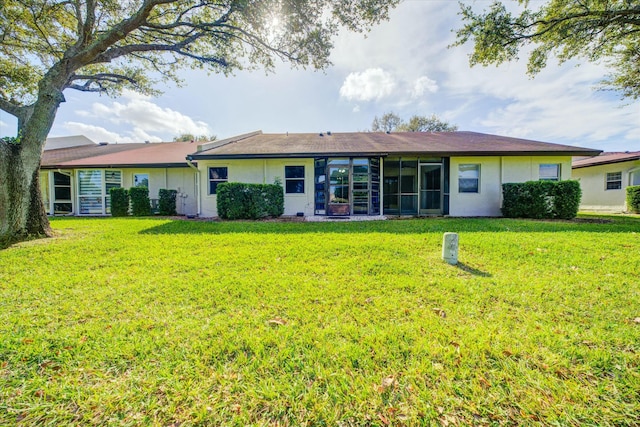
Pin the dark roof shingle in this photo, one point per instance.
(379, 143)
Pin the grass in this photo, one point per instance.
(129, 322)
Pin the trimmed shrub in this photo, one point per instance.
(566, 199)
(119, 201)
(633, 199)
(167, 202)
(249, 201)
(140, 203)
(541, 199)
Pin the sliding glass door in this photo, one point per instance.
(93, 190)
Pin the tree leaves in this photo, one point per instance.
(566, 29)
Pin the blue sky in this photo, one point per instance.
(403, 65)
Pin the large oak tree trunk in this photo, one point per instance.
(22, 214)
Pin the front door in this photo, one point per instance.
(431, 189)
(339, 188)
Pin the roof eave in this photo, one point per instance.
(387, 153)
(117, 166)
(606, 162)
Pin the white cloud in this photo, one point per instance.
(422, 85)
(3, 124)
(146, 119)
(100, 134)
(371, 84)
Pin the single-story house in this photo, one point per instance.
(75, 180)
(377, 173)
(329, 174)
(604, 180)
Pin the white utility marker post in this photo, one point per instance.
(450, 248)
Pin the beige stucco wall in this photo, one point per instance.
(180, 179)
(484, 203)
(260, 171)
(595, 196)
(495, 171)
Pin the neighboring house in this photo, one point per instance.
(404, 173)
(55, 143)
(76, 180)
(604, 180)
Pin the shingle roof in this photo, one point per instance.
(165, 154)
(606, 158)
(57, 142)
(259, 145)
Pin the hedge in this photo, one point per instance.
(633, 199)
(167, 202)
(140, 203)
(541, 199)
(249, 201)
(119, 201)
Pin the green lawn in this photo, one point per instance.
(180, 323)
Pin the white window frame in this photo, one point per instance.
(52, 191)
(303, 179)
(556, 178)
(135, 174)
(104, 194)
(613, 178)
(218, 180)
(477, 168)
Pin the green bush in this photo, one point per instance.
(140, 203)
(541, 199)
(249, 201)
(633, 198)
(119, 201)
(167, 202)
(566, 199)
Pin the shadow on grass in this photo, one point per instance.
(471, 270)
(592, 224)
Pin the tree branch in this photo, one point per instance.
(10, 107)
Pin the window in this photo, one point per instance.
(93, 190)
(294, 179)
(614, 180)
(141, 180)
(469, 178)
(216, 176)
(549, 172)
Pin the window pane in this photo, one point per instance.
(218, 173)
(90, 183)
(339, 194)
(468, 178)
(62, 193)
(549, 172)
(62, 208)
(216, 176)
(338, 162)
(295, 186)
(141, 180)
(409, 176)
(468, 185)
(294, 171)
(469, 171)
(61, 179)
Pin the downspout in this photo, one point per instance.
(264, 171)
(381, 206)
(500, 199)
(192, 166)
